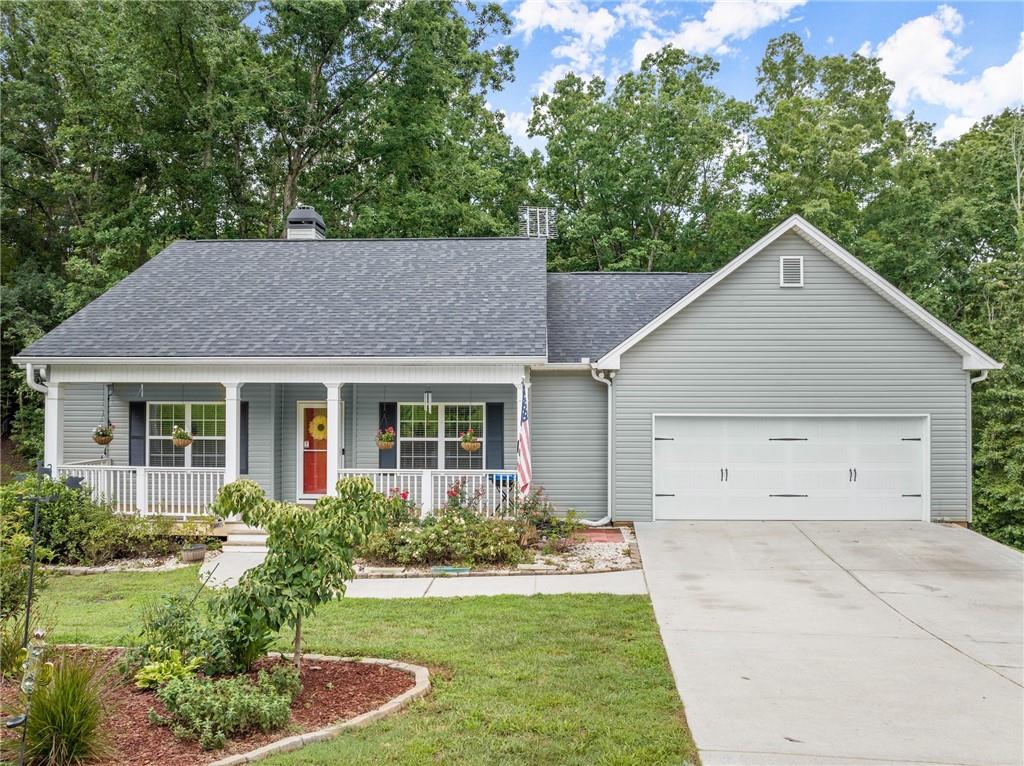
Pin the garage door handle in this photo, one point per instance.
(664, 438)
(855, 474)
(850, 477)
(911, 496)
(727, 474)
(664, 494)
(911, 439)
(787, 495)
(787, 438)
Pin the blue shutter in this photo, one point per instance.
(243, 438)
(388, 458)
(136, 433)
(495, 431)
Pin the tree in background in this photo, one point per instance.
(640, 174)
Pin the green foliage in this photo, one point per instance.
(310, 552)
(451, 536)
(211, 711)
(165, 664)
(12, 633)
(66, 724)
(176, 622)
(75, 530)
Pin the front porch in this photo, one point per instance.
(295, 439)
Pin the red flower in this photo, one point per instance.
(453, 493)
(404, 495)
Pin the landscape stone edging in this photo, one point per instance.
(493, 573)
(420, 689)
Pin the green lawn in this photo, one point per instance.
(539, 680)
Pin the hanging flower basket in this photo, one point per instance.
(103, 435)
(469, 441)
(386, 438)
(180, 437)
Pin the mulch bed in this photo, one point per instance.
(332, 692)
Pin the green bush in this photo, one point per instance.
(177, 623)
(66, 724)
(165, 665)
(15, 548)
(454, 535)
(213, 710)
(12, 633)
(73, 529)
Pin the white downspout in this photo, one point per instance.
(979, 378)
(606, 378)
(30, 378)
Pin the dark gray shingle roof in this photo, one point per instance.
(399, 297)
(592, 312)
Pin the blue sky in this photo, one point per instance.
(952, 63)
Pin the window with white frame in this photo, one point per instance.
(423, 443)
(204, 420)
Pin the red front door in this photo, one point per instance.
(314, 450)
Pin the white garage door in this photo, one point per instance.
(737, 467)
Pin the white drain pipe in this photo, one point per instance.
(606, 378)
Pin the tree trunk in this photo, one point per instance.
(297, 646)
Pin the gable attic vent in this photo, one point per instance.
(537, 222)
(305, 223)
(791, 271)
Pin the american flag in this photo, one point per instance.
(524, 473)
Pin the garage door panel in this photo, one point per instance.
(816, 467)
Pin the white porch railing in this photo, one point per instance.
(492, 493)
(180, 492)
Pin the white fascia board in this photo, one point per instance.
(973, 357)
(553, 366)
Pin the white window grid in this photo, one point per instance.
(186, 454)
(418, 457)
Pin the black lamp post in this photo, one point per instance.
(32, 652)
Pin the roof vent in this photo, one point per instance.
(305, 223)
(538, 222)
(791, 271)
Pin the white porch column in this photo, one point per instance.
(52, 426)
(232, 419)
(334, 426)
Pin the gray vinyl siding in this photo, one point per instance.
(569, 440)
(832, 346)
(367, 412)
(82, 410)
(262, 426)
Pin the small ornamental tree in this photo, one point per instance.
(310, 551)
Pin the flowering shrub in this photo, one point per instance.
(451, 536)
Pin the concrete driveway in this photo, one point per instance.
(841, 642)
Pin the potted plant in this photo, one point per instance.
(470, 442)
(386, 438)
(103, 434)
(192, 553)
(180, 436)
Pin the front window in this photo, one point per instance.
(205, 421)
(422, 442)
(417, 436)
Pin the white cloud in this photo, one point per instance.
(516, 125)
(830, 40)
(724, 21)
(585, 30)
(922, 59)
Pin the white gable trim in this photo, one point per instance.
(973, 357)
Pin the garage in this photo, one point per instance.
(790, 467)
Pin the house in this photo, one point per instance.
(794, 383)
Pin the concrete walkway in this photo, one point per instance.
(841, 643)
(228, 567)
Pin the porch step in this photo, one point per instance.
(245, 539)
